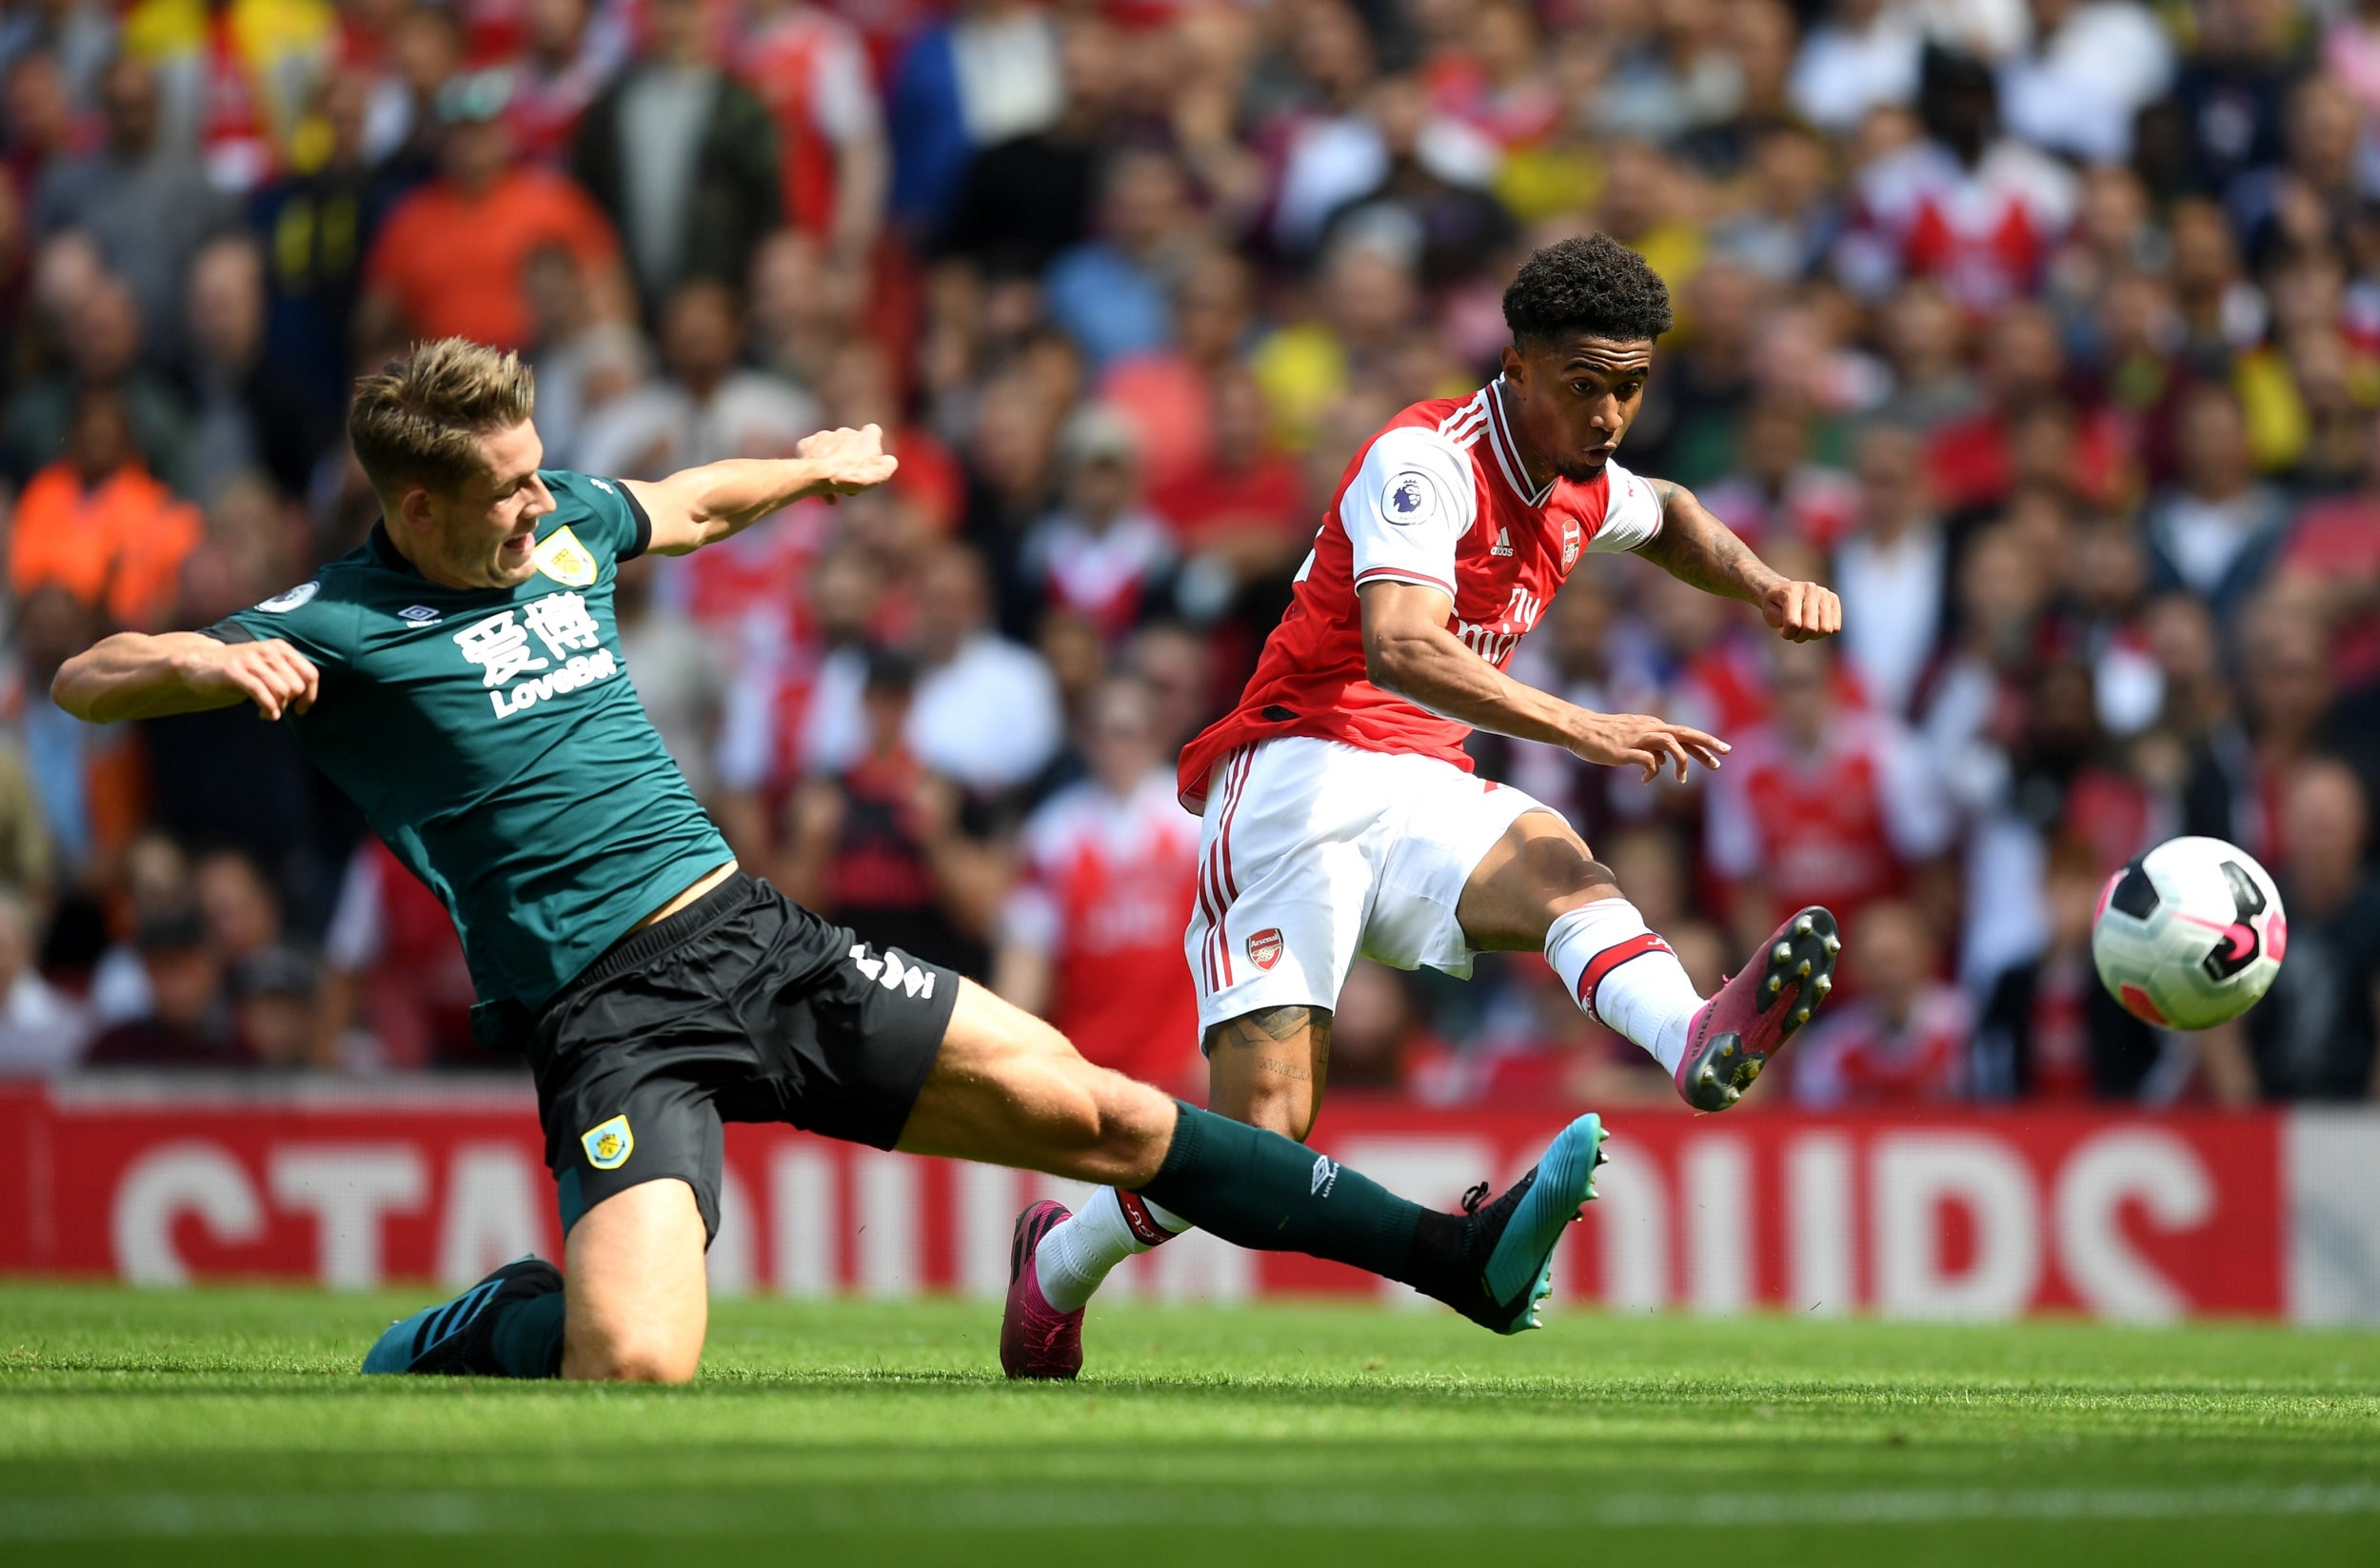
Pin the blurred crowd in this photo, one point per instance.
(2047, 332)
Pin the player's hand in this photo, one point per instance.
(846, 461)
(1802, 612)
(1640, 741)
(274, 676)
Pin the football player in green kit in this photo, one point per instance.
(459, 676)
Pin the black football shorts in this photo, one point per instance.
(742, 1007)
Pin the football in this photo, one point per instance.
(2190, 934)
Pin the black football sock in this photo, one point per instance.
(523, 1339)
(1260, 1190)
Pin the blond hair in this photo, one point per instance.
(419, 421)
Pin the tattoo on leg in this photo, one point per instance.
(1273, 1023)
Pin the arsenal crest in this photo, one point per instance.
(1264, 947)
(1569, 543)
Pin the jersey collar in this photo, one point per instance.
(384, 552)
(1508, 453)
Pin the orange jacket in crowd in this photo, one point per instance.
(118, 546)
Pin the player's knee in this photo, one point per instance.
(1285, 1107)
(639, 1354)
(1125, 1129)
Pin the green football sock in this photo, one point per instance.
(525, 1339)
(1257, 1189)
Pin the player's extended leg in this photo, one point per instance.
(1265, 1068)
(1538, 886)
(1010, 1090)
(632, 1308)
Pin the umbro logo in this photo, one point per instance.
(1503, 542)
(421, 615)
(1325, 1176)
(889, 972)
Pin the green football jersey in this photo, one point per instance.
(494, 741)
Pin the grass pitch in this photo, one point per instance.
(229, 1426)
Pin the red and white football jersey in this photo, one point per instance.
(1840, 827)
(1439, 496)
(1104, 886)
(1859, 1057)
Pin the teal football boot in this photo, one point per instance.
(451, 1336)
(1514, 1236)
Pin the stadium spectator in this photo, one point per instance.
(187, 1019)
(2313, 1036)
(1031, 195)
(1862, 56)
(1826, 804)
(682, 158)
(235, 92)
(987, 74)
(1090, 939)
(451, 257)
(809, 66)
(42, 1030)
(1102, 555)
(1110, 292)
(97, 525)
(1903, 1040)
(985, 713)
(245, 415)
(1890, 569)
(890, 847)
(572, 48)
(706, 406)
(2077, 83)
(395, 992)
(1778, 491)
(316, 225)
(140, 196)
(2049, 1030)
(274, 994)
(98, 330)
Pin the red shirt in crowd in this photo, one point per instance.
(1106, 883)
(1839, 826)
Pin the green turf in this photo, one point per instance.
(229, 1426)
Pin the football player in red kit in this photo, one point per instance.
(1341, 818)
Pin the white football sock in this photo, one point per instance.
(1624, 977)
(1076, 1255)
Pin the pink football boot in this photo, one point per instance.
(1036, 1339)
(1756, 1013)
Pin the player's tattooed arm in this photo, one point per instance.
(1696, 548)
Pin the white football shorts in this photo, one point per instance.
(1314, 853)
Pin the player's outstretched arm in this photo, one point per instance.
(704, 505)
(134, 676)
(1408, 650)
(1696, 548)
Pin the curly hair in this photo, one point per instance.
(1588, 285)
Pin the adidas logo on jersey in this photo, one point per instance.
(892, 974)
(1503, 542)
